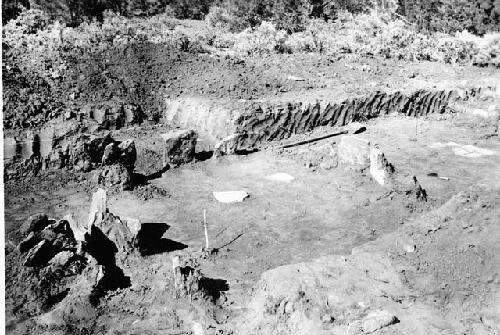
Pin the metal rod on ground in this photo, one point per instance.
(205, 225)
(311, 140)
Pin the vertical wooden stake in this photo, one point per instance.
(205, 225)
(416, 127)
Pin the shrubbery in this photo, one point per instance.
(366, 34)
(235, 15)
(449, 16)
(372, 35)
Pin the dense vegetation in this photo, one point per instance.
(448, 16)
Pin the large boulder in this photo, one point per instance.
(114, 176)
(179, 146)
(120, 152)
(354, 152)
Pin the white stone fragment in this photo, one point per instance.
(229, 197)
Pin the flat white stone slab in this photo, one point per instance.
(471, 151)
(230, 197)
(281, 177)
(466, 150)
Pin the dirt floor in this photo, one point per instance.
(323, 212)
(330, 252)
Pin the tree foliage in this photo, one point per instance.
(476, 16)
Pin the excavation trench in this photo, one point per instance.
(256, 123)
(245, 125)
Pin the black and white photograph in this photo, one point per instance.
(250, 167)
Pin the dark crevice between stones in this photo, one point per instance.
(203, 155)
(103, 250)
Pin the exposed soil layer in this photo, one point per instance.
(144, 75)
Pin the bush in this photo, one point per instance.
(28, 22)
(373, 35)
(264, 39)
(190, 9)
(235, 15)
(12, 8)
(449, 16)
(221, 18)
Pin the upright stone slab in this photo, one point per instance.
(228, 145)
(10, 148)
(98, 207)
(354, 153)
(78, 229)
(180, 146)
(380, 168)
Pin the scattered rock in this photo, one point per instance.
(69, 115)
(377, 320)
(190, 282)
(409, 248)
(186, 277)
(179, 146)
(295, 78)
(419, 192)
(354, 152)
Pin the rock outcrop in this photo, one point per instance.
(179, 147)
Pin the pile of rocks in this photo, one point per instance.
(88, 254)
(48, 242)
